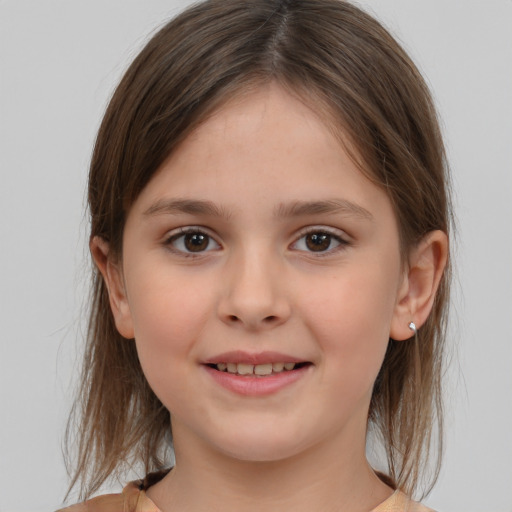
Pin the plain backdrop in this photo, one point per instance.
(59, 62)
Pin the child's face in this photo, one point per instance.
(259, 241)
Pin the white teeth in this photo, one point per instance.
(263, 369)
(251, 369)
(245, 369)
(278, 367)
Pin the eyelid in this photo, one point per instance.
(177, 233)
(341, 236)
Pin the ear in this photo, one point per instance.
(113, 277)
(418, 289)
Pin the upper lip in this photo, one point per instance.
(242, 357)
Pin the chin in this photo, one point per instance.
(261, 446)
(260, 454)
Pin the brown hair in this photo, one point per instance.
(332, 54)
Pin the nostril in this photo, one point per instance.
(233, 318)
(269, 319)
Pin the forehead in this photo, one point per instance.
(277, 102)
(266, 117)
(267, 143)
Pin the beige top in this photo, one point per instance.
(134, 499)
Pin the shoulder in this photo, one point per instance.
(399, 502)
(132, 499)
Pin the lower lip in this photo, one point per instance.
(256, 386)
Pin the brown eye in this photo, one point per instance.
(196, 242)
(192, 242)
(318, 242)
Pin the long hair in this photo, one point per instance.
(334, 56)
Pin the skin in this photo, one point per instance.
(258, 286)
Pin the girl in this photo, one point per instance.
(269, 226)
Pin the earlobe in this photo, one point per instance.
(427, 262)
(112, 275)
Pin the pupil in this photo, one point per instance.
(318, 241)
(196, 242)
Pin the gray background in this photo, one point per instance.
(59, 61)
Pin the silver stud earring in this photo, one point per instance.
(413, 328)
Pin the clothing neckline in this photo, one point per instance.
(389, 504)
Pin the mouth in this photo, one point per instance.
(257, 370)
(257, 374)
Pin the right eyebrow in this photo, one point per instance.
(330, 206)
(187, 206)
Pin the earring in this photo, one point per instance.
(413, 328)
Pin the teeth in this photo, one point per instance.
(278, 367)
(245, 369)
(258, 369)
(263, 369)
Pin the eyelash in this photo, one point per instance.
(181, 234)
(342, 243)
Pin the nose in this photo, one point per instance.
(254, 293)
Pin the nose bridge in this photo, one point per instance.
(255, 293)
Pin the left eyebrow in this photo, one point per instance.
(187, 206)
(299, 208)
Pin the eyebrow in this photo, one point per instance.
(190, 206)
(293, 209)
(299, 208)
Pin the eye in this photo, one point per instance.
(192, 241)
(319, 241)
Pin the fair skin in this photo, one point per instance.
(259, 241)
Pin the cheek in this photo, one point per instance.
(168, 316)
(351, 320)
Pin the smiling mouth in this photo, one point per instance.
(257, 370)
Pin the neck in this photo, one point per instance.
(329, 477)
